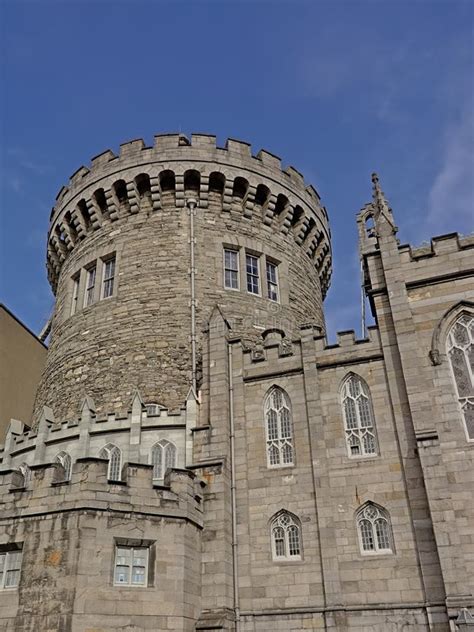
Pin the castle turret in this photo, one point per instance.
(143, 245)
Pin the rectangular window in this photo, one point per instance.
(131, 566)
(108, 280)
(75, 294)
(10, 565)
(272, 281)
(253, 277)
(90, 286)
(231, 269)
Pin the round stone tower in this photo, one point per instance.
(143, 246)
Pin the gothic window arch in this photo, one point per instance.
(65, 461)
(26, 474)
(359, 421)
(163, 457)
(286, 537)
(278, 428)
(460, 350)
(374, 530)
(112, 453)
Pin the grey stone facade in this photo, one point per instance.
(215, 559)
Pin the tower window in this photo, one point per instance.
(272, 281)
(253, 276)
(231, 269)
(108, 280)
(460, 348)
(64, 460)
(131, 566)
(375, 534)
(75, 294)
(90, 286)
(10, 567)
(286, 537)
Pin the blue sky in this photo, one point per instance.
(337, 89)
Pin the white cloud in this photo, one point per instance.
(451, 197)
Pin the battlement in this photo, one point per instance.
(440, 245)
(149, 179)
(88, 488)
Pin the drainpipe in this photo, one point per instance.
(191, 204)
(233, 493)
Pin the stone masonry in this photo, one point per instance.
(301, 485)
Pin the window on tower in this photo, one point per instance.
(231, 269)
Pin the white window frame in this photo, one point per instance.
(108, 279)
(236, 271)
(168, 458)
(89, 290)
(111, 452)
(152, 409)
(286, 522)
(360, 431)
(8, 566)
(281, 439)
(131, 566)
(272, 285)
(372, 513)
(463, 400)
(75, 293)
(252, 275)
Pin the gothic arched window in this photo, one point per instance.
(359, 422)
(279, 428)
(286, 537)
(64, 459)
(460, 348)
(163, 457)
(373, 526)
(114, 456)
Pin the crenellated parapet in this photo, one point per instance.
(88, 488)
(148, 180)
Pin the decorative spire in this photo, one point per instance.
(381, 206)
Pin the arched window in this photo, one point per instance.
(64, 459)
(359, 420)
(460, 348)
(373, 526)
(286, 537)
(26, 474)
(114, 456)
(163, 457)
(279, 428)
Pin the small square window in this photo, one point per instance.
(231, 269)
(131, 566)
(10, 567)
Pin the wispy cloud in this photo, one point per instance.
(451, 197)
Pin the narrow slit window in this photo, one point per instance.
(272, 281)
(253, 277)
(109, 276)
(75, 294)
(231, 269)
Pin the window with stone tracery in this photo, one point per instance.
(163, 457)
(279, 428)
(359, 422)
(64, 459)
(286, 537)
(114, 456)
(373, 526)
(460, 348)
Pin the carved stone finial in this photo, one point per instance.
(381, 207)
